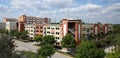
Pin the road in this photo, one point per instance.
(29, 46)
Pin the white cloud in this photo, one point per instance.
(86, 7)
(3, 8)
(29, 4)
(62, 8)
(60, 3)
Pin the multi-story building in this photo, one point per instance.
(87, 29)
(94, 29)
(34, 30)
(2, 26)
(39, 29)
(22, 20)
(10, 20)
(11, 26)
(72, 26)
(31, 30)
(79, 30)
(55, 30)
(11, 23)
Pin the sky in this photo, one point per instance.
(89, 11)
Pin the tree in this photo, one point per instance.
(46, 51)
(117, 41)
(68, 41)
(88, 49)
(4, 32)
(113, 55)
(116, 28)
(38, 39)
(48, 39)
(17, 34)
(7, 47)
(24, 35)
(12, 32)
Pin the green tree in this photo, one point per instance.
(38, 39)
(117, 41)
(12, 32)
(116, 31)
(24, 35)
(7, 47)
(48, 39)
(68, 42)
(46, 50)
(88, 49)
(116, 28)
(17, 34)
(113, 55)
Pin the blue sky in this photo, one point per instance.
(92, 11)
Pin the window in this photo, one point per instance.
(31, 34)
(52, 32)
(57, 33)
(48, 27)
(88, 30)
(44, 28)
(31, 30)
(48, 32)
(41, 27)
(100, 28)
(52, 28)
(57, 37)
(57, 43)
(57, 28)
(91, 28)
(83, 29)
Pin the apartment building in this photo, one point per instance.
(22, 20)
(31, 30)
(11, 26)
(39, 29)
(94, 29)
(87, 29)
(72, 26)
(2, 26)
(11, 23)
(9, 20)
(55, 30)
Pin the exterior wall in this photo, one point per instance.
(22, 20)
(31, 30)
(105, 28)
(77, 27)
(87, 29)
(10, 20)
(64, 27)
(39, 29)
(21, 26)
(96, 29)
(54, 30)
(11, 26)
(2, 26)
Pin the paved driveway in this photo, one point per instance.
(29, 46)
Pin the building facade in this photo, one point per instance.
(22, 20)
(10, 23)
(2, 26)
(55, 30)
(42, 26)
(11, 26)
(10, 20)
(31, 30)
(72, 26)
